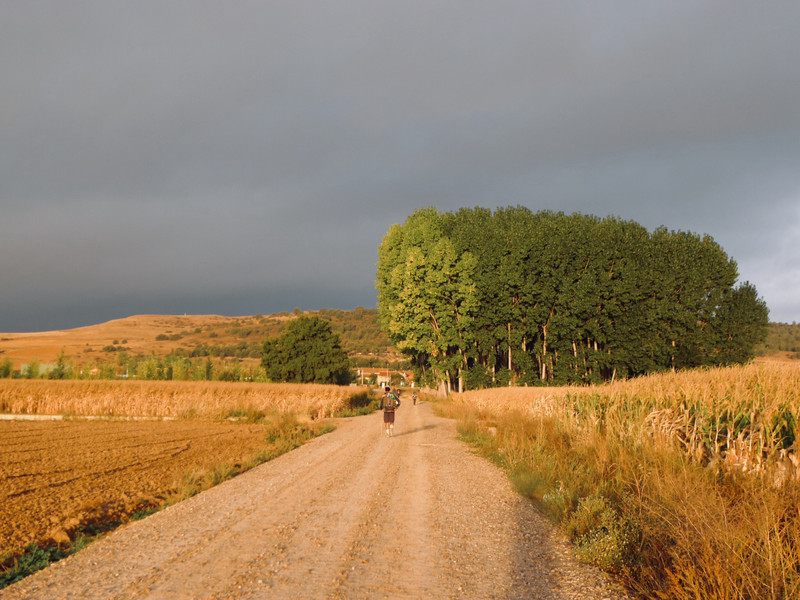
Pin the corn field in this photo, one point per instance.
(743, 418)
(685, 485)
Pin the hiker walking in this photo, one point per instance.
(414, 397)
(389, 404)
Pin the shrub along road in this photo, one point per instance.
(352, 514)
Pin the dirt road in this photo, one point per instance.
(350, 515)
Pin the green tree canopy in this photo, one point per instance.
(429, 290)
(308, 351)
(6, 368)
(540, 298)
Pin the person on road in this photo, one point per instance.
(389, 404)
(414, 398)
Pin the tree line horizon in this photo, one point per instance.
(480, 298)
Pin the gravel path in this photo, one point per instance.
(350, 515)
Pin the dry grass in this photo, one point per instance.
(686, 485)
(182, 399)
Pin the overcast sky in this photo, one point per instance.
(247, 157)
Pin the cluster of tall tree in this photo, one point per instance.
(485, 298)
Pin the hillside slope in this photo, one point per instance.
(163, 334)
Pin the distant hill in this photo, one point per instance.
(191, 335)
(783, 340)
(221, 337)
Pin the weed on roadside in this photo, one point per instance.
(283, 432)
(360, 404)
(34, 558)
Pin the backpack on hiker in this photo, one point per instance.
(390, 402)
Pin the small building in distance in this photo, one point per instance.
(384, 377)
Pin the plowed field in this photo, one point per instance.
(57, 477)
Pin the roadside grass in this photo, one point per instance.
(283, 432)
(15, 567)
(683, 514)
(362, 403)
(34, 558)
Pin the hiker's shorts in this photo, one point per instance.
(388, 416)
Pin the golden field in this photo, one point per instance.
(743, 416)
(182, 399)
(686, 485)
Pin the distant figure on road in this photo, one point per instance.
(389, 404)
(414, 397)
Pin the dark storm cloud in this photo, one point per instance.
(246, 157)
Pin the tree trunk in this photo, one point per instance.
(544, 353)
(509, 346)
